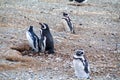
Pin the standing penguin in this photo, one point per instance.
(68, 24)
(47, 38)
(79, 1)
(42, 42)
(33, 39)
(81, 65)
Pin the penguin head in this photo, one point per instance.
(79, 53)
(66, 17)
(44, 26)
(30, 28)
(65, 14)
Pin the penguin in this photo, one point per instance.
(68, 23)
(42, 42)
(32, 39)
(47, 38)
(79, 1)
(80, 64)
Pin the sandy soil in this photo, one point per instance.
(97, 27)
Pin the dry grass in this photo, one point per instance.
(21, 47)
(18, 60)
(13, 55)
(4, 67)
(59, 28)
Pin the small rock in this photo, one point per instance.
(102, 39)
(94, 33)
(90, 46)
(4, 19)
(80, 24)
(58, 59)
(117, 51)
(113, 34)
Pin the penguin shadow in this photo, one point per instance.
(77, 29)
(26, 50)
(81, 4)
(61, 28)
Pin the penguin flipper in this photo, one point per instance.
(86, 67)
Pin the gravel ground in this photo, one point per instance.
(97, 27)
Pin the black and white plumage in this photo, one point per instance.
(68, 23)
(33, 39)
(42, 42)
(79, 1)
(81, 65)
(47, 37)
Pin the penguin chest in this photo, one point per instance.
(29, 38)
(79, 69)
(78, 65)
(49, 39)
(33, 41)
(43, 43)
(65, 25)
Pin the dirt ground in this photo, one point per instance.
(97, 27)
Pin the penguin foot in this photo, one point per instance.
(73, 32)
(50, 52)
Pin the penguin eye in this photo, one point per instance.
(81, 52)
(65, 14)
(44, 27)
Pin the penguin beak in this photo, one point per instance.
(65, 14)
(41, 25)
(79, 52)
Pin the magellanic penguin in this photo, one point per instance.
(47, 38)
(42, 42)
(68, 25)
(81, 66)
(79, 1)
(33, 39)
